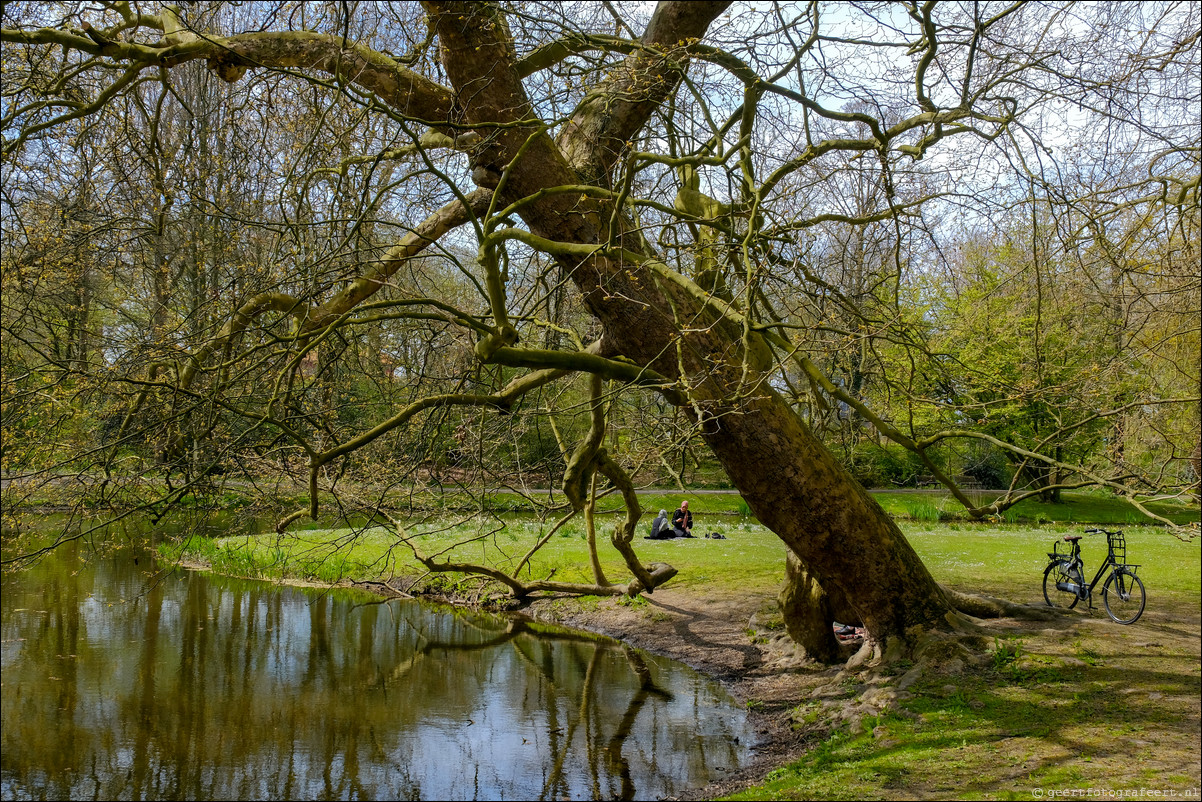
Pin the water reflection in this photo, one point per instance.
(119, 683)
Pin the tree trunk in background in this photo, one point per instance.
(1196, 459)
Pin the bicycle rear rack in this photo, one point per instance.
(1057, 554)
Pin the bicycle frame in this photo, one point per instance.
(1107, 563)
(1073, 559)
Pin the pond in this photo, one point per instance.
(126, 680)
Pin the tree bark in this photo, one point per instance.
(797, 488)
(806, 609)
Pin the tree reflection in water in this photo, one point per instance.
(611, 752)
(120, 685)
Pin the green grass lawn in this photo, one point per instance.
(1076, 507)
(1008, 561)
(1000, 559)
(751, 558)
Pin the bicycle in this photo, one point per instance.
(1064, 578)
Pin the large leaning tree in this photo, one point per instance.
(693, 180)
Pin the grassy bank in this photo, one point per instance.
(749, 557)
(498, 528)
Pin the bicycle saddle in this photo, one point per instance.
(1072, 538)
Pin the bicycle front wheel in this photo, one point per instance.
(1124, 597)
(1054, 596)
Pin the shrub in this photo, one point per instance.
(986, 464)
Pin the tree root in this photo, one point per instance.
(979, 606)
(870, 684)
(961, 638)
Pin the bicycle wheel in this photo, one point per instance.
(1124, 597)
(1054, 596)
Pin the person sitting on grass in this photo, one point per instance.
(659, 527)
(682, 521)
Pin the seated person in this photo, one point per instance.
(659, 527)
(682, 521)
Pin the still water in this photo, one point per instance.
(125, 680)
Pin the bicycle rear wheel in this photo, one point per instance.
(1054, 596)
(1123, 595)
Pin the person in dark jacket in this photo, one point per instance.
(659, 527)
(682, 521)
